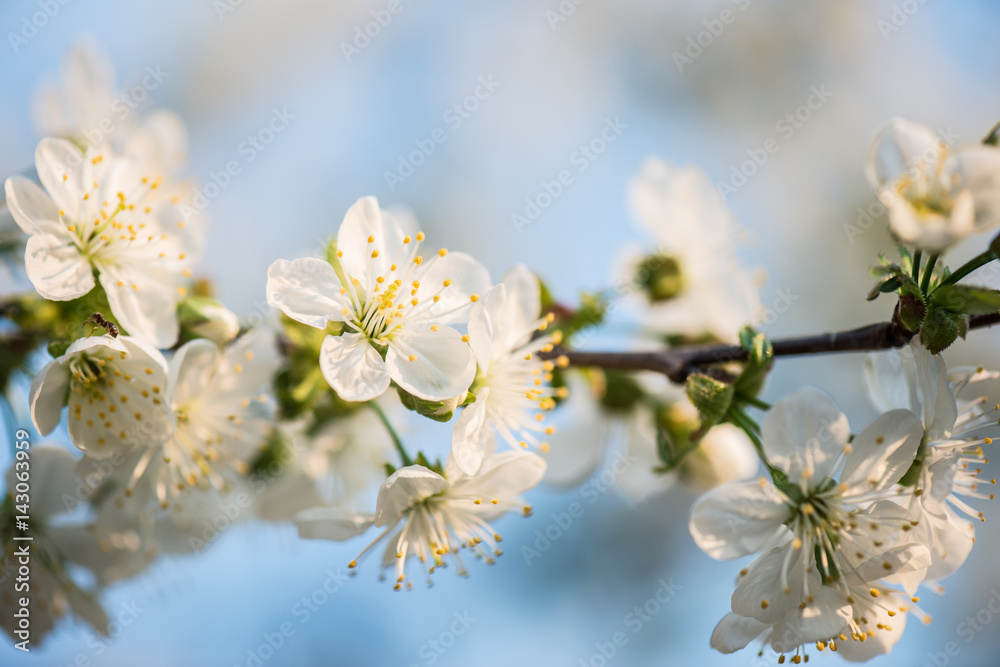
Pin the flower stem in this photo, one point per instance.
(403, 454)
(750, 427)
(916, 264)
(969, 267)
(754, 401)
(928, 273)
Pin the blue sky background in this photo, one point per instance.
(558, 87)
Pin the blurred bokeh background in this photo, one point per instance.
(560, 72)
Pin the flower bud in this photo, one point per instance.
(201, 317)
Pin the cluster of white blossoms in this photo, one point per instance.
(171, 419)
(848, 527)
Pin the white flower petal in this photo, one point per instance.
(734, 632)
(30, 206)
(331, 523)
(404, 488)
(883, 452)
(735, 520)
(804, 433)
(952, 541)
(898, 148)
(504, 475)
(191, 369)
(468, 277)
(364, 220)
(124, 409)
(481, 327)
(472, 438)
(761, 592)
(307, 290)
(145, 306)
(48, 395)
(578, 445)
(432, 365)
(56, 268)
(53, 473)
(639, 481)
(911, 560)
(930, 230)
(54, 160)
(353, 367)
(978, 171)
(878, 643)
(827, 616)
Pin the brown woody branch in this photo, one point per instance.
(679, 362)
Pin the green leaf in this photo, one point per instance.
(890, 284)
(967, 299)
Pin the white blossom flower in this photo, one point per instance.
(394, 303)
(115, 388)
(952, 460)
(435, 515)
(99, 213)
(511, 385)
(87, 109)
(935, 196)
(870, 614)
(705, 289)
(215, 397)
(831, 518)
(52, 591)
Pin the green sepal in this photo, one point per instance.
(439, 411)
(710, 396)
(940, 329)
(422, 460)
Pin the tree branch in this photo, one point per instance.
(679, 362)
